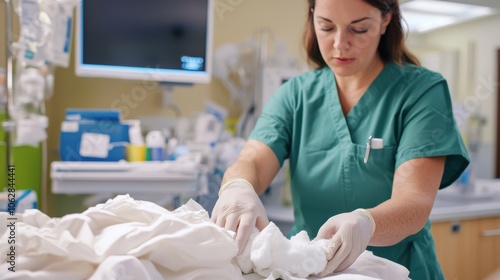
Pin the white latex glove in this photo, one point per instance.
(239, 209)
(350, 234)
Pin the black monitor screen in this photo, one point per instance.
(162, 36)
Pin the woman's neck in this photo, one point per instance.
(361, 80)
(351, 89)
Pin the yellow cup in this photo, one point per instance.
(136, 153)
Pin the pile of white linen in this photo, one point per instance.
(128, 239)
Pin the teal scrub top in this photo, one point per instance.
(407, 106)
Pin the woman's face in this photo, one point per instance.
(348, 33)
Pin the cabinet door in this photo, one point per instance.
(456, 248)
(489, 246)
(468, 250)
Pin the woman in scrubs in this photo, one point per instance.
(370, 138)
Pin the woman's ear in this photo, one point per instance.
(385, 21)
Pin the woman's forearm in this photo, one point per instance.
(397, 219)
(256, 163)
(243, 169)
(415, 186)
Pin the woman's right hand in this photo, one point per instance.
(239, 209)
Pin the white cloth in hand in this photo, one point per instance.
(349, 235)
(270, 255)
(270, 251)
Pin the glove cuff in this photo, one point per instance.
(367, 214)
(235, 182)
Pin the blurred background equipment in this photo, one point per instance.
(43, 43)
(251, 71)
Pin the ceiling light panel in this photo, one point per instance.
(426, 15)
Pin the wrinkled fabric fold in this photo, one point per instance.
(138, 237)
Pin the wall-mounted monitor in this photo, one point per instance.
(159, 40)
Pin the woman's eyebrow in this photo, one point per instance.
(354, 21)
(360, 20)
(325, 19)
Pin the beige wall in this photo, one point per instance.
(2, 35)
(477, 43)
(234, 21)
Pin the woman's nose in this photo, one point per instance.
(341, 41)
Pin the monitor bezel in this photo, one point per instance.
(143, 73)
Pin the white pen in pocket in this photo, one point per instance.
(373, 143)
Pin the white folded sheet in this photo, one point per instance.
(128, 239)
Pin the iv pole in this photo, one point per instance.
(8, 124)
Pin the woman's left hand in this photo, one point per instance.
(349, 235)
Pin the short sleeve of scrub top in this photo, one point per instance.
(429, 128)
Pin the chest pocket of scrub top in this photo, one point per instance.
(370, 182)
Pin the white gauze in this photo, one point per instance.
(270, 251)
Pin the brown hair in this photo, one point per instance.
(391, 47)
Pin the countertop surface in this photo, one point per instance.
(452, 204)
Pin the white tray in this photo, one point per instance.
(172, 178)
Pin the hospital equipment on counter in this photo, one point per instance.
(155, 143)
(136, 150)
(136, 153)
(153, 179)
(94, 145)
(102, 171)
(93, 135)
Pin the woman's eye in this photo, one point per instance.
(326, 28)
(360, 31)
